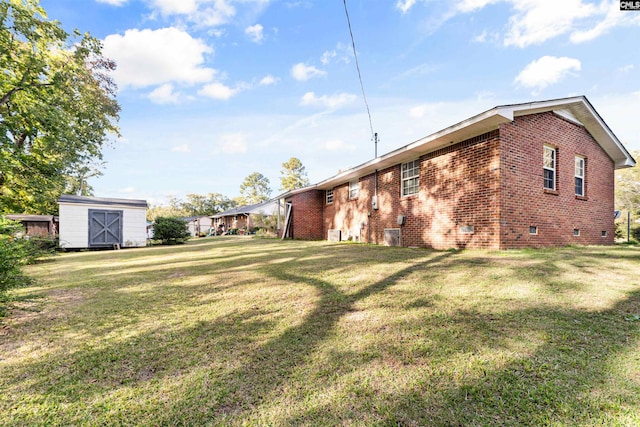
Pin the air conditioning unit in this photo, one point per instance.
(334, 235)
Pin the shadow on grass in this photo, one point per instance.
(226, 371)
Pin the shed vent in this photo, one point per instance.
(334, 235)
(392, 236)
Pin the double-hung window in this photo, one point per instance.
(329, 196)
(579, 176)
(549, 167)
(410, 178)
(353, 189)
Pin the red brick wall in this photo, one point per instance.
(458, 187)
(556, 214)
(492, 182)
(306, 215)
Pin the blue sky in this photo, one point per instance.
(214, 90)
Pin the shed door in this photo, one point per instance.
(105, 228)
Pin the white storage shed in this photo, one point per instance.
(95, 222)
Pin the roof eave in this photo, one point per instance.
(477, 125)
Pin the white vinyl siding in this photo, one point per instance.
(74, 225)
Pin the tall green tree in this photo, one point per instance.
(255, 189)
(209, 204)
(628, 188)
(293, 175)
(57, 106)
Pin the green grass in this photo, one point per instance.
(241, 331)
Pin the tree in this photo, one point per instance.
(628, 188)
(57, 106)
(170, 231)
(293, 175)
(211, 204)
(174, 209)
(255, 189)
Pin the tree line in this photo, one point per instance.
(255, 188)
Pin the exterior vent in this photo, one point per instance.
(392, 237)
(334, 235)
(467, 229)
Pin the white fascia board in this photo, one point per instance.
(474, 126)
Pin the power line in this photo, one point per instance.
(355, 55)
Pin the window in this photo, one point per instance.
(604, 233)
(329, 196)
(533, 229)
(410, 177)
(576, 231)
(579, 174)
(549, 168)
(353, 189)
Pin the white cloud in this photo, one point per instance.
(335, 101)
(539, 20)
(152, 57)
(233, 144)
(217, 91)
(405, 5)
(326, 56)
(113, 2)
(303, 72)
(254, 33)
(268, 80)
(466, 6)
(486, 36)
(419, 111)
(546, 71)
(338, 145)
(175, 7)
(612, 18)
(627, 68)
(184, 148)
(536, 21)
(164, 95)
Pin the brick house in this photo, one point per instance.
(244, 217)
(524, 175)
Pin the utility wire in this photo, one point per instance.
(355, 55)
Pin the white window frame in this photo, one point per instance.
(579, 172)
(354, 189)
(552, 168)
(329, 197)
(410, 179)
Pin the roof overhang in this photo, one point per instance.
(576, 109)
(84, 200)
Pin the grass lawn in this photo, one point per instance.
(246, 331)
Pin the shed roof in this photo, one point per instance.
(31, 218)
(84, 200)
(577, 109)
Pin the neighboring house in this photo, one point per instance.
(525, 175)
(198, 224)
(245, 217)
(37, 225)
(93, 222)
